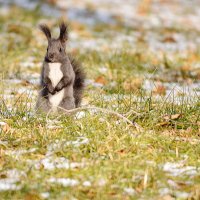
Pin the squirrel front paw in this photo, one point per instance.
(51, 89)
(57, 88)
(53, 92)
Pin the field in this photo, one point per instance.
(137, 135)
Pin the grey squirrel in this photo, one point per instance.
(62, 77)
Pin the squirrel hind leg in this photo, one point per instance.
(42, 105)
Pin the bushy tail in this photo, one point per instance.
(79, 82)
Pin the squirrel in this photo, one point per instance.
(62, 77)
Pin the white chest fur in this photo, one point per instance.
(55, 75)
(56, 98)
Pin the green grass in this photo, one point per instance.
(115, 156)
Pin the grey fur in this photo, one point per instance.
(72, 81)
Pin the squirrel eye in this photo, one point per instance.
(60, 49)
(47, 48)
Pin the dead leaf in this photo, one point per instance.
(195, 192)
(122, 152)
(85, 33)
(101, 80)
(160, 89)
(25, 83)
(144, 7)
(176, 116)
(132, 84)
(78, 26)
(163, 124)
(2, 176)
(192, 58)
(112, 193)
(185, 68)
(32, 196)
(167, 119)
(166, 197)
(169, 39)
(182, 184)
(172, 117)
(4, 127)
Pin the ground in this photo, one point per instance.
(142, 60)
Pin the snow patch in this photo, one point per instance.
(87, 183)
(164, 191)
(62, 144)
(182, 195)
(51, 163)
(80, 115)
(2, 123)
(66, 182)
(19, 152)
(177, 169)
(129, 191)
(45, 195)
(11, 178)
(102, 182)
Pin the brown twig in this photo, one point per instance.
(111, 112)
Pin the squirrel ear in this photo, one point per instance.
(63, 32)
(45, 29)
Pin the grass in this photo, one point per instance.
(117, 161)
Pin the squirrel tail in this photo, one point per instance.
(79, 82)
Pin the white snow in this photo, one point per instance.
(129, 191)
(177, 169)
(172, 183)
(51, 163)
(19, 152)
(80, 141)
(80, 114)
(11, 178)
(27, 64)
(87, 183)
(45, 195)
(102, 182)
(103, 69)
(62, 144)
(182, 195)
(66, 182)
(93, 83)
(190, 91)
(2, 123)
(164, 191)
(8, 184)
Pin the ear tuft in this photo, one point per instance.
(63, 32)
(45, 29)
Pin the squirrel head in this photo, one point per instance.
(56, 47)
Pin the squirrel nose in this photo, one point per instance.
(51, 55)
